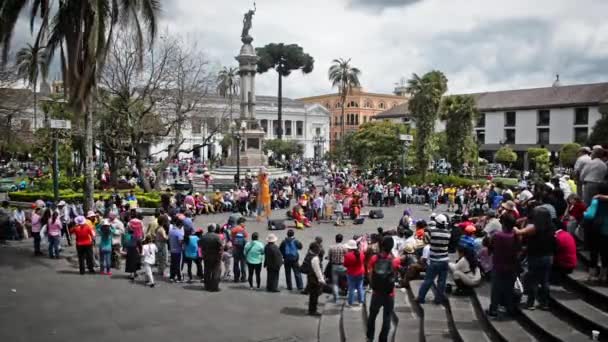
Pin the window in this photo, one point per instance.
(510, 119)
(581, 134)
(287, 127)
(581, 116)
(318, 131)
(544, 117)
(337, 120)
(211, 124)
(364, 119)
(367, 104)
(354, 104)
(394, 105)
(543, 136)
(381, 105)
(25, 125)
(264, 124)
(481, 136)
(327, 105)
(352, 119)
(275, 127)
(196, 125)
(481, 120)
(299, 128)
(335, 135)
(357, 119)
(337, 105)
(509, 136)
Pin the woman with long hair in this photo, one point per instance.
(540, 239)
(465, 271)
(53, 230)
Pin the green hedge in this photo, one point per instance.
(145, 200)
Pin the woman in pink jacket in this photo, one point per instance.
(36, 221)
(53, 230)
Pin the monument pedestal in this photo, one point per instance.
(250, 154)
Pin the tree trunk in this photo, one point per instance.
(89, 172)
(280, 114)
(35, 105)
(141, 166)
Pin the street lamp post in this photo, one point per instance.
(238, 135)
(319, 142)
(407, 142)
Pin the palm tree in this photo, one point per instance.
(345, 77)
(426, 93)
(459, 114)
(228, 84)
(31, 62)
(283, 59)
(80, 31)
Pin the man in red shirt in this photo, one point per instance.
(84, 243)
(564, 261)
(383, 268)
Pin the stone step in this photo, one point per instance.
(583, 315)
(329, 324)
(466, 325)
(506, 329)
(591, 292)
(435, 321)
(352, 322)
(408, 323)
(551, 327)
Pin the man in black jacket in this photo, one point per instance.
(273, 260)
(211, 248)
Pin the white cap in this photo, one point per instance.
(441, 219)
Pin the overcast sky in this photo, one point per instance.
(479, 44)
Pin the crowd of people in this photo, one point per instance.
(520, 238)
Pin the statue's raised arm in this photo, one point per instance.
(247, 19)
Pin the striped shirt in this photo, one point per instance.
(440, 239)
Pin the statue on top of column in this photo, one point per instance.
(247, 19)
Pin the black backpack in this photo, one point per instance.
(383, 277)
(306, 266)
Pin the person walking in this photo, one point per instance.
(36, 222)
(211, 249)
(383, 268)
(439, 238)
(336, 262)
(593, 174)
(289, 248)
(191, 255)
(105, 231)
(84, 243)
(254, 254)
(53, 230)
(133, 244)
(239, 237)
(273, 260)
(353, 261)
(161, 238)
(148, 254)
(117, 236)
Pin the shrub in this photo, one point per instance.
(145, 200)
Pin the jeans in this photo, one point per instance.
(105, 260)
(257, 268)
(502, 291)
(54, 246)
(37, 239)
(379, 301)
(539, 271)
(439, 270)
(239, 265)
(85, 253)
(175, 268)
(337, 271)
(199, 267)
(64, 231)
(355, 283)
(293, 265)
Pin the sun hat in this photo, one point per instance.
(271, 238)
(91, 213)
(351, 244)
(79, 220)
(61, 203)
(509, 205)
(409, 248)
(106, 222)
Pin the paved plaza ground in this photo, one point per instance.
(47, 300)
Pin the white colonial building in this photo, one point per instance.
(302, 122)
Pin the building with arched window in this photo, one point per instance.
(360, 107)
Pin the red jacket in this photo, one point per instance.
(577, 210)
(353, 266)
(84, 235)
(565, 256)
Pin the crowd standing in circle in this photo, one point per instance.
(520, 239)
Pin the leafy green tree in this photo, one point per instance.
(459, 112)
(505, 155)
(424, 104)
(283, 59)
(541, 161)
(346, 77)
(599, 135)
(289, 148)
(32, 62)
(81, 32)
(567, 154)
(377, 143)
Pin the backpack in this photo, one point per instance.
(306, 266)
(291, 250)
(239, 240)
(383, 277)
